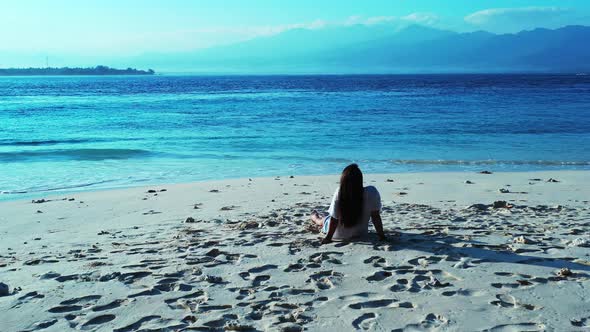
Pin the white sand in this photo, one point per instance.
(126, 260)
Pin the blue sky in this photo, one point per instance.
(126, 27)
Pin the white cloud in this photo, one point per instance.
(422, 18)
(516, 19)
(259, 31)
(158, 38)
(414, 18)
(379, 20)
(249, 32)
(355, 19)
(204, 37)
(488, 15)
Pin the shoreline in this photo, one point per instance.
(12, 197)
(240, 254)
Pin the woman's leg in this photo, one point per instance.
(317, 218)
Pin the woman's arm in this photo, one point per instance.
(331, 230)
(376, 218)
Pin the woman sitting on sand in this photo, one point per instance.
(352, 207)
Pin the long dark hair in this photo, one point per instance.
(350, 197)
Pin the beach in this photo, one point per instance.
(465, 251)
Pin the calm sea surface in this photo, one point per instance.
(80, 133)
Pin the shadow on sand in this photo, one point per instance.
(457, 248)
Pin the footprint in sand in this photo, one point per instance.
(322, 257)
(324, 283)
(509, 301)
(137, 325)
(379, 276)
(434, 321)
(325, 279)
(68, 278)
(318, 300)
(147, 292)
(30, 296)
(463, 292)
(372, 304)
(403, 269)
(96, 321)
(406, 305)
(254, 315)
(214, 279)
(259, 280)
(262, 268)
(168, 281)
(416, 282)
(276, 244)
(463, 263)
(66, 308)
(530, 327)
(43, 325)
(583, 322)
(173, 287)
(109, 306)
(364, 321)
(242, 293)
(131, 277)
(295, 268)
(227, 323)
(400, 286)
(204, 308)
(523, 280)
(431, 322)
(424, 260)
(299, 291)
(150, 212)
(377, 261)
(81, 300)
(181, 302)
(505, 285)
(363, 295)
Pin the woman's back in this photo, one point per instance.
(371, 203)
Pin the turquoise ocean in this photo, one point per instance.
(64, 134)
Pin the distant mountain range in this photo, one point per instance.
(380, 49)
(356, 49)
